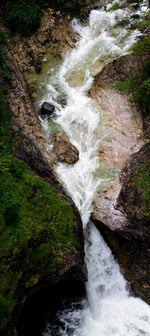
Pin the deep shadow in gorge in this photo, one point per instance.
(44, 304)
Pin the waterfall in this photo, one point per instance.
(110, 309)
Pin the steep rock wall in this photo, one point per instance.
(121, 212)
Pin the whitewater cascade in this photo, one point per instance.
(109, 309)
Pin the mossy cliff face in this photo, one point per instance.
(40, 229)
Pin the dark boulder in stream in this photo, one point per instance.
(47, 109)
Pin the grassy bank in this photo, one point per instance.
(37, 226)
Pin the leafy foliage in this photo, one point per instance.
(140, 183)
(5, 71)
(139, 85)
(115, 6)
(37, 226)
(142, 47)
(122, 23)
(24, 16)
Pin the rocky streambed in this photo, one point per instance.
(123, 148)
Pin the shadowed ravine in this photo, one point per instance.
(110, 308)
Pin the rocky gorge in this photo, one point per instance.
(117, 214)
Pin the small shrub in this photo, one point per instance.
(122, 23)
(23, 16)
(115, 6)
(139, 85)
(5, 71)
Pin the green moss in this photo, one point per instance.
(6, 75)
(122, 23)
(37, 226)
(139, 186)
(144, 181)
(139, 85)
(145, 24)
(115, 6)
(143, 46)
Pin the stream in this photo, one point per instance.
(109, 307)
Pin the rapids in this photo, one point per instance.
(110, 308)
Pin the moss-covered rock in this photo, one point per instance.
(40, 230)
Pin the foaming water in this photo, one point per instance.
(109, 309)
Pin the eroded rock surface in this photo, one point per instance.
(122, 134)
(121, 210)
(122, 121)
(64, 150)
(128, 232)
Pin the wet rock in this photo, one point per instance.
(64, 150)
(125, 221)
(47, 109)
(62, 100)
(120, 211)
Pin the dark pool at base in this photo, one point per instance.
(42, 306)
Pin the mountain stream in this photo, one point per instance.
(109, 308)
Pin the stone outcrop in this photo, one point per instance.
(64, 150)
(134, 197)
(121, 210)
(126, 226)
(122, 130)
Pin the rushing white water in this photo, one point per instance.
(109, 308)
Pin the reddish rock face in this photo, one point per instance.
(64, 150)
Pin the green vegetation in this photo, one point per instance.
(142, 47)
(37, 226)
(24, 16)
(122, 23)
(115, 6)
(145, 25)
(139, 188)
(144, 182)
(5, 72)
(139, 85)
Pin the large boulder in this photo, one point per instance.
(64, 150)
(47, 109)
